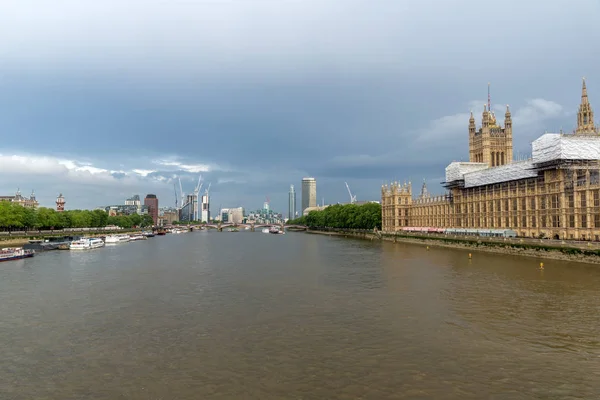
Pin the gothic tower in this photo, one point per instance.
(60, 203)
(491, 144)
(585, 115)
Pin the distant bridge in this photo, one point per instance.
(252, 227)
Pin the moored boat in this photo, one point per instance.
(86, 244)
(50, 243)
(137, 237)
(113, 239)
(15, 253)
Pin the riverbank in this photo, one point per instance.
(565, 251)
(8, 241)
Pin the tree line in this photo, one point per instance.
(351, 216)
(15, 216)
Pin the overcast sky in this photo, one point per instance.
(101, 100)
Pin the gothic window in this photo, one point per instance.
(555, 221)
(584, 221)
(583, 200)
(571, 221)
(594, 177)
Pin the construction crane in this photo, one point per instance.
(352, 198)
(182, 201)
(175, 189)
(197, 189)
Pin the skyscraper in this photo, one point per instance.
(152, 202)
(205, 201)
(309, 193)
(292, 203)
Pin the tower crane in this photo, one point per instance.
(196, 199)
(352, 198)
(182, 201)
(175, 189)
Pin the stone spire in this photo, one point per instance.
(424, 192)
(507, 118)
(585, 114)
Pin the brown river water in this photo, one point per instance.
(209, 315)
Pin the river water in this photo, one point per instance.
(218, 315)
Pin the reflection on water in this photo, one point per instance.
(297, 316)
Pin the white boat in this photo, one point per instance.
(137, 237)
(265, 230)
(113, 239)
(15, 253)
(275, 230)
(86, 244)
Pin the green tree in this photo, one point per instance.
(366, 216)
(146, 221)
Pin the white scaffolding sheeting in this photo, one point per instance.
(456, 170)
(554, 146)
(503, 173)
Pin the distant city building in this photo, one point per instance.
(309, 193)
(188, 212)
(134, 201)
(167, 218)
(292, 203)
(60, 203)
(205, 207)
(123, 209)
(29, 202)
(236, 215)
(151, 201)
(315, 208)
(264, 216)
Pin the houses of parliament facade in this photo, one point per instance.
(554, 194)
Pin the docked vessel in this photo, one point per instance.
(148, 234)
(50, 243)
(161, 232)
(137, 237)
(15, 253)
(86, 244)
(113, 239)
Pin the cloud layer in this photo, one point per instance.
(101, 100)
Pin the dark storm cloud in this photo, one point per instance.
(105, 99)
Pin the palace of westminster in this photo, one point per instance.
(554, 194)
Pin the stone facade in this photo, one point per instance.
(18, 198)
(555, 193)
